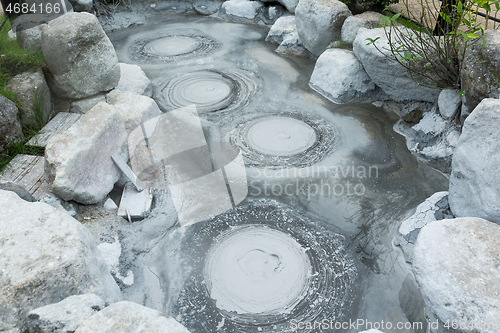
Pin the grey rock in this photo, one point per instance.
(474, 182)
(292, 45)
(339, 76)
(449, 103)
(412, 304)
(480, 71)
(241, 10)
(65, 316)
(82, 5)
(319, 22)
(24, 86)
(135, 109)
(134, 79)
(283, 27)
(8, 185)
(81, 58)
(386, 72)
(45, 256)
(291, 5)
(352, 24)
(10, 124)
(78, 161)
(456, 266)
(432, 209)
(85, 104)
(269, 15)
(129, 317)
(204, 7)
(432, 139)
(31, 39)
(54, 201)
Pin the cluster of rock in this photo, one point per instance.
(54, 278)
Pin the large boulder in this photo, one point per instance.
(386, 72)
(135, 109)
(319, 22)
(290, 5)
(81, 58)
(480, 71)
(456, 264)
(133, 79)
(65, 316)
(449, 103)
(129, 317)
(283, 27)
(474, 185)
(34, 95)
(8, 185)
(45, 256)
(339, 76)
(78, 161)
(85, 104)
(432, 209)
(10, 125)
(352, 24)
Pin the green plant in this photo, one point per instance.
(369, 4)
(38, 113)
(433, 54)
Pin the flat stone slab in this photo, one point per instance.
(28, 172)
(61, 122)
(135, 204)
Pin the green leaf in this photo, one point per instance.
(371, 40)
(462, 93)
(396, 16)
(472, 35)
(459, 7)
(464, 35)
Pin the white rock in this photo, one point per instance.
(111, 253)
(85, 104)
(292, 45)
(51, 199)
(78, 161)
(432, 209)
(24, 86)
(243, 9)
(110, 204)
(135, 204)
(80, 56)
(319, 22)
(339, 76)
(289, 4)
(134, 79)
(456, 264)
(45, 256)
(65, 316)
(386, 72)
(352, 24)
(449, 103)
(474, 182)
(128, 317)
(283, 27)
(134, 108)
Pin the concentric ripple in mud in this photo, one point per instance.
(283, 139)
(261, 265)
(173, 45)
(209, 90)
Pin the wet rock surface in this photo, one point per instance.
(455, 287)
(473, 181)
(46, 256)
(81, 59)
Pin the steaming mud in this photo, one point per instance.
(210, 90)
(283, 139)
(172, 45)
(261, 265)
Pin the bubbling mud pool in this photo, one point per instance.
(328, 187)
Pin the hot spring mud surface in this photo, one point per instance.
(328, 186)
